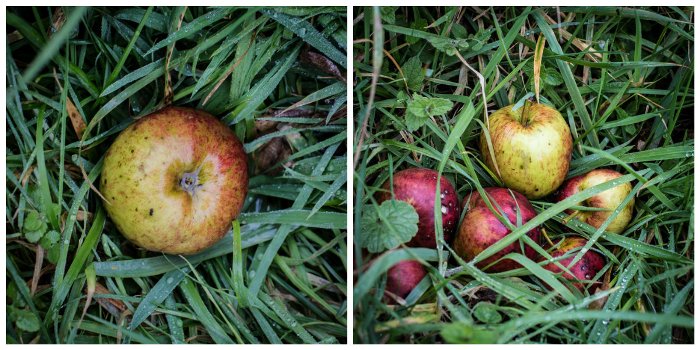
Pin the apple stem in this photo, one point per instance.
(190, 181)
(524, 115)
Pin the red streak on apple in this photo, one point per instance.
(174, 180)
(404, 276)
(481, 228)
(585, 269)
(417, 187)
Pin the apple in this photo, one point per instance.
(417, 187)
(174, 180)
(585, 269)
(404, 276)
(481, 228)
(531, 146)
(608, 199)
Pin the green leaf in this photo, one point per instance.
(413, 73)
(420, 108)
(413, 121)
(388, 14)
(33, 236)
(463, 333)
(447, 45)
(33, 221)
(487, 313)
(418, 24)
(53, 253)
(552, 77)
(50, 239)
(386, 227)
(26, 320)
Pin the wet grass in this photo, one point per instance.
(623, 80)
(76, 77)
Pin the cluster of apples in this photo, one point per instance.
(531, 151)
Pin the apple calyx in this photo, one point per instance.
(190, 181)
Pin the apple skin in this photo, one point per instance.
(532, 147)
(142, 180)
(480, 228)
(609, 199)
(404, 276)
(417, 187)
(584, 269)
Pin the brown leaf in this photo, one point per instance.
(265, 126)
(321, 62)
(58, 19)
(75, 118)
(273, 152)
(605, 285)
(114, 306)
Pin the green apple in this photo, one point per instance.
(531, 146)
(608, 199)
(174, 180)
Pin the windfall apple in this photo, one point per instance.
(531, 146)
(585, 269)
(481, 228)
(174, 180)
(417, 187)
(404, 276)
(609, 199)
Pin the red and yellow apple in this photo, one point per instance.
(417, 187)
(585, 269)
(174, 180)
(404, 276)
(481, 228)
(608, 199)
(531, 146)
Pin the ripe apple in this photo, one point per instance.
(532, 147)
(404, 276)
(417, 187)
(584, 269)
(174, 180)
(481, 228)
(608, 199)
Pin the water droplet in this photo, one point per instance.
(588, 276)
(444, 209)
(442, 196)
(170, 280)
(302, 31)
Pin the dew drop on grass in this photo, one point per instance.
(170, 280)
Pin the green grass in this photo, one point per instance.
(628, 99)
(76, 77)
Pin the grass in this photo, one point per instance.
(623, 80)
(76, 77)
